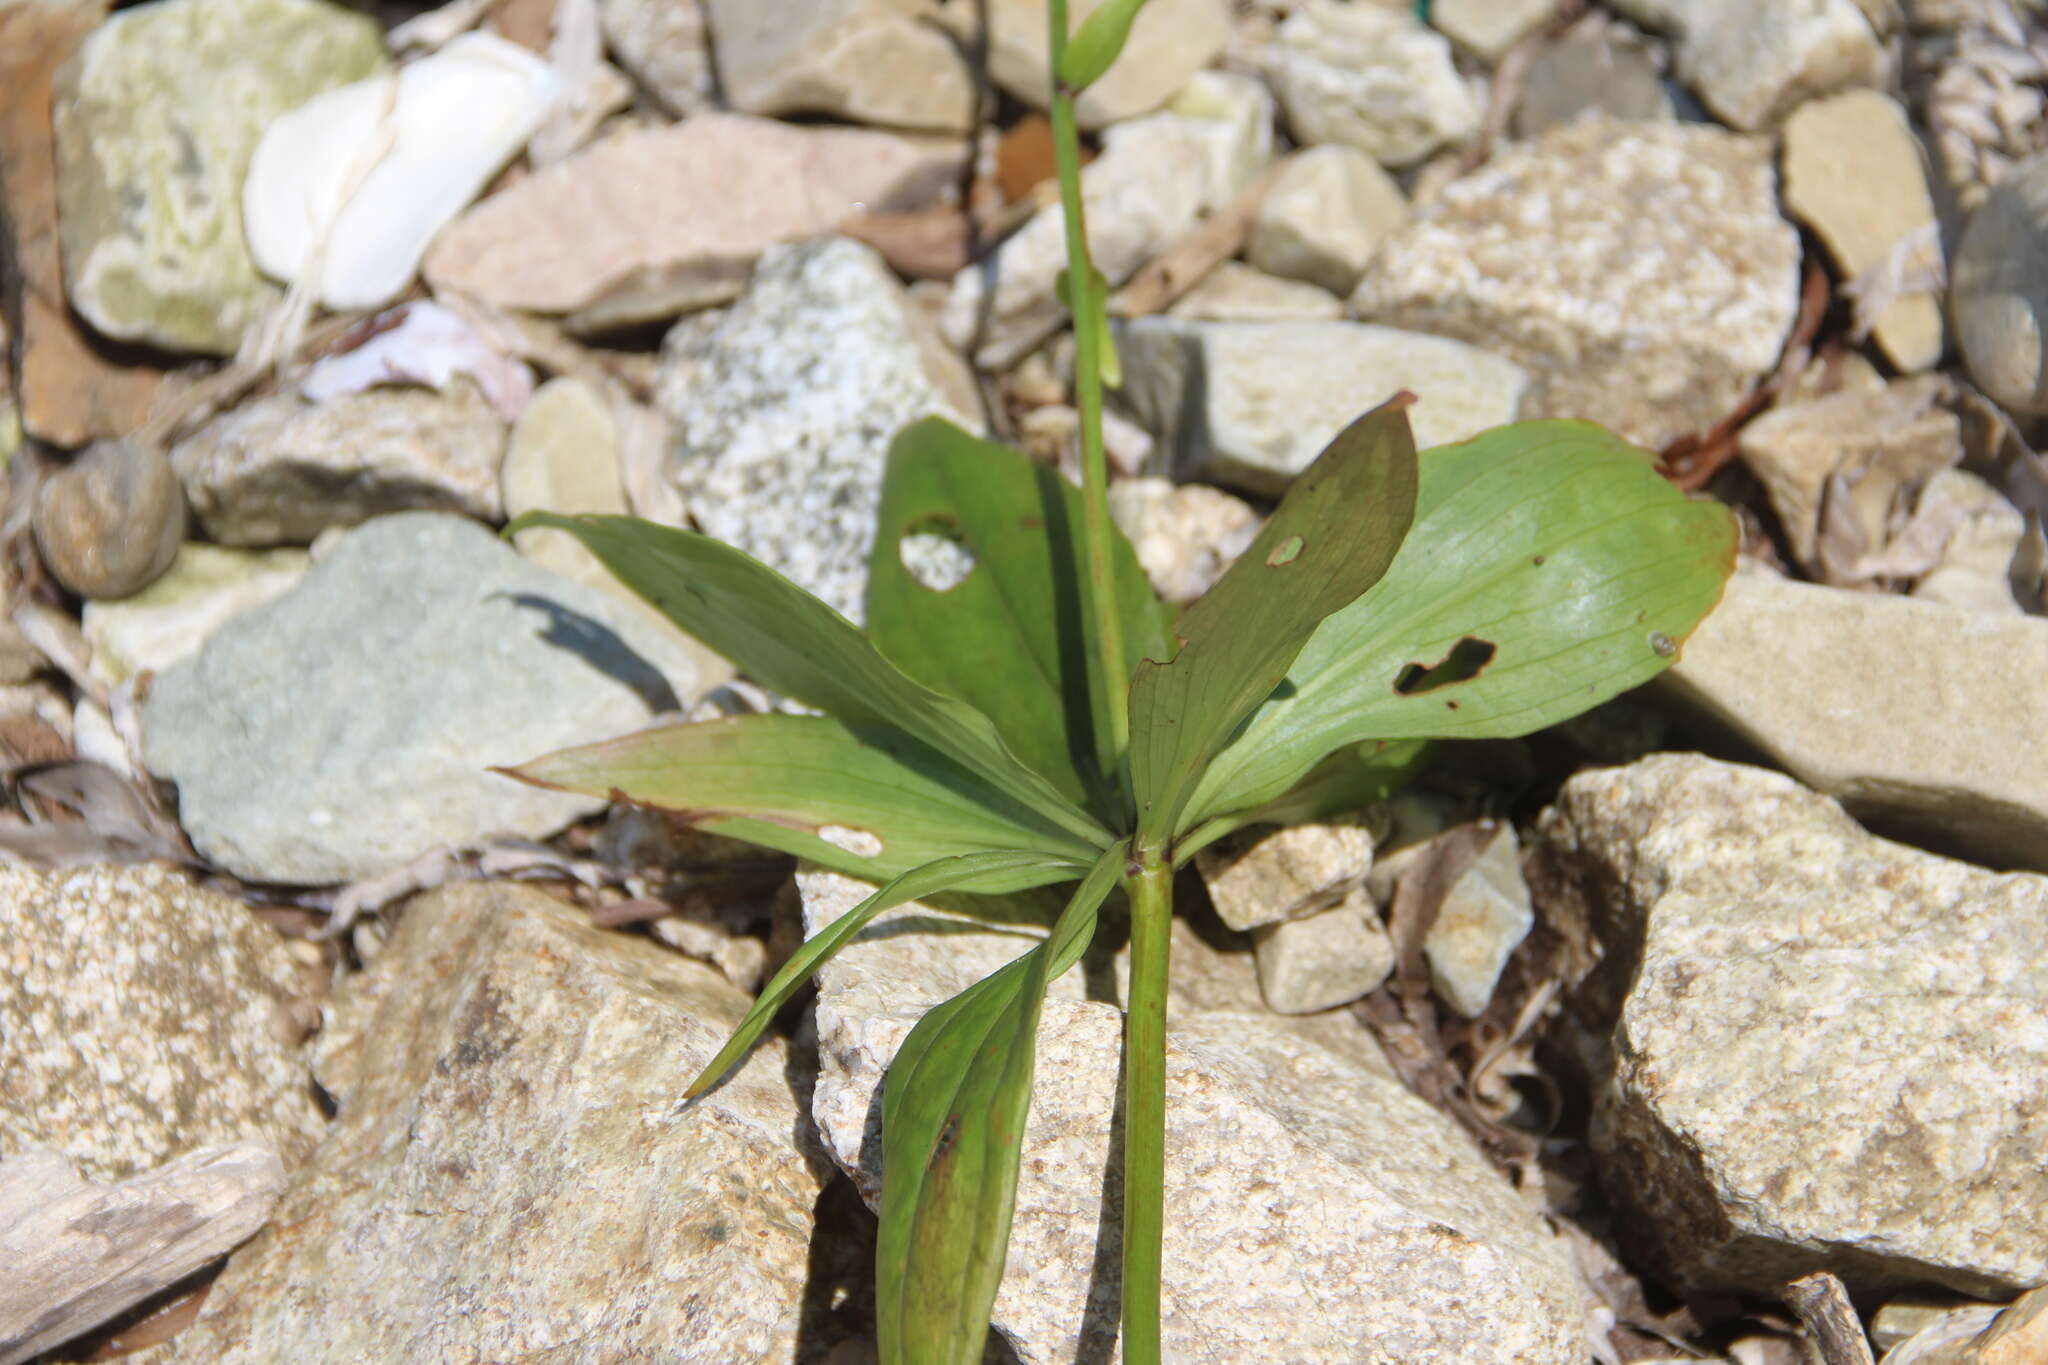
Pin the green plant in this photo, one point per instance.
(992, 738)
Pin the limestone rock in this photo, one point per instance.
(1484, 917)
(110, 522)
(1232, 116)
(1853, 173)
(1371, 77)
(783, 407)
(1594, 66)
(507, 1077)
(460, 656)
(1170, 42)
(1326, 959)
(1908, 711)
(1488, 28)
(1263, 875)
(1235, 292)
(1999, 290)
(647, 223)
(281, 470)
(1640, 271)
(169, 620)
(1252, 404)
(866, 61)
(1975, 569)
(1810, 1048)
(1755, 61)
(666, 49)
(157, 116)
(1325, 214)
(1185, 535)
(142, 1017)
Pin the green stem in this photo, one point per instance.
(1086, 298)
(1150, 888)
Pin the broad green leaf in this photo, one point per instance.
(953, 1112)
(1350, 779)
(1096, 44)
(872, 806)
(1550, 567)
(1008, 639)
(1329, 540)
(791, 642)
(990, 872)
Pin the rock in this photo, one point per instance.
(1640, 271)
(665, 48)
(469, 657)
(1235, 292)
(646, 223)
(2019, 1336)
(1853, 174)
(1324, 215)
(1488, 28)
(1252, 404)
(142, 1017)
(1810, 1049)
(1232, 116)
(1594, 66)
(205, 587)
(1312, 1201)
(1265, 875)
(110, 522)
(157, 115)
(67, 392)
(1754, 61)
(1905, 1318)
(1330, 958)
(508, 1076)
(1484, 917)
(1975, 569)
(421, 344)
(783, 407)
(357, 181)
(1169, 43)
(866, 61)
(1185, 535)
(1999, 290)
(1370, 77)
(281, 470)
(1908, 711)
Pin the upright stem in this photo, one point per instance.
(1150, 889)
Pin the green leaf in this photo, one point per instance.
(1549, 568)
(791, 642)
(1349, 780)
(788, 781)
(983, 872)
(1096, 44)
(953, 1112)
(1329, 540)
(1008, 639)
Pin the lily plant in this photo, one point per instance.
(1047, 721)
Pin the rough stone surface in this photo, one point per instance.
(1252, 404)
(1326, 959)
(1999, 290)
(1370, 77)
(1263, 875)
(1853, 173)
(1235, 292)
(142, 1017)
(1640, 271)
(110, 522)
(1754, 61)
(666, 49)
(453, 655)
(1232, 116)
(1185, 535)
(1811, 1048)
(1488, 28)
(1171, 40)
(510, 1176)
(281, 470)
(1325, 214)
(1316, 1210)
(868, 61)
(1953, 745)
(204, 588)
(1484, 917)
(1594, 66)
(1975, 569)
(157, 116)
(783, 406)
(647, 223)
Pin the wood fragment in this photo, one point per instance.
(1181, 266)
(1823, 1305)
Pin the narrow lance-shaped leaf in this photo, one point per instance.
(1096, 45)
(791, 642)
(1330, 539)
(953, 1113)
(1348, 780)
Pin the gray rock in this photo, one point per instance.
(1915, 714)
(169, 620)
(1975, 569)
(1235, 292)
(1169, 43)
(142, 1017)
(665, 48)
(1266, 875)
(1640, 271)
(867, 61)
(281, 470)
(110, 522)
(1325, 960)
(507, 1078)
(1754, 61)
(1371, 77)
(1313, 1203)
(1999, 290)
(1185, 535)
(1809, 1048)
(1484, 917)
(157, 116)
(783, 406)
(451, 655)
(1594, 66)
(1324, 215)
(1252, 404)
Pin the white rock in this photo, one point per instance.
(1754, 61)
(866, 61)
(1264, 875)
(1325, 214)
(1324, 960)
(1252, 404)
(1169, 43)
(359, 180)
(1488, 28)
(1232, 115)
(1371, 77)
(1236, 292)
(1483, 919)
(1976, 565)
(1185, 535)
(665, 47)
(425, 344)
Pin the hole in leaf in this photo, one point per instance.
(935, 553)
(1286, 552)
(859, 841)
(1463, 663)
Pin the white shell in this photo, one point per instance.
(417, 147)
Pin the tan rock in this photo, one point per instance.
(867, 61)
(1324, 960)
(1984, 535)
(1236, 292)
(1264, 875)
(1484, 917)
(1324, 215)
(2019, 1336)
(666, 49)
(1171, 40)
(110, 522)
(1488, 28)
